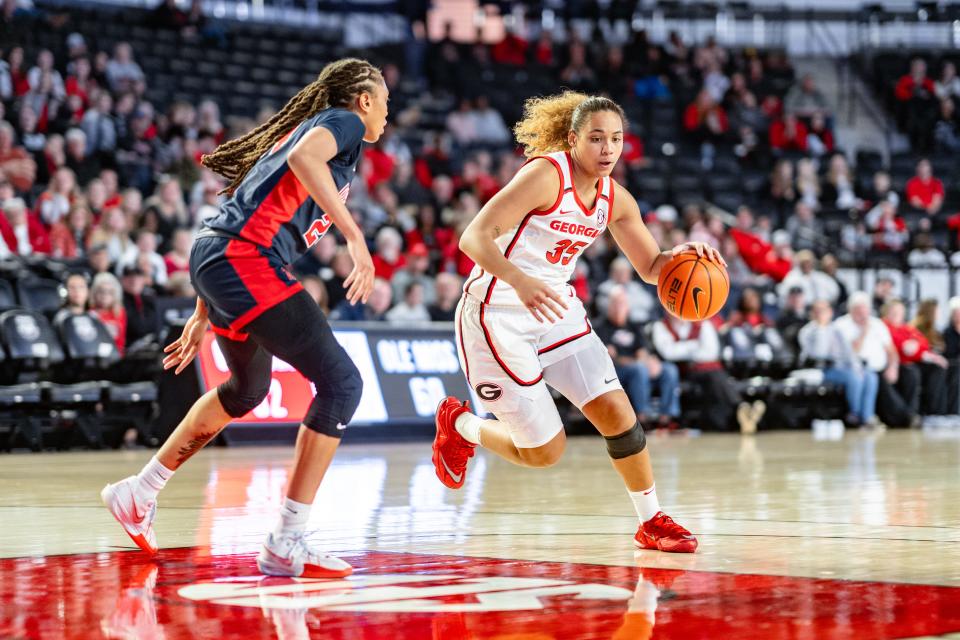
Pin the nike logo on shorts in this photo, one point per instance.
(605, 381)
(456, 478)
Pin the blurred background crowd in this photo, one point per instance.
(101, 131)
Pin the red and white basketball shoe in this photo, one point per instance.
(451, 451)
(292, 555)
(662, 533)
(133, 513)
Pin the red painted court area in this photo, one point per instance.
(187, 593)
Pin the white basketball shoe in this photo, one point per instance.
(291, 555)
(133, 513)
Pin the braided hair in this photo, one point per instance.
(338, 84)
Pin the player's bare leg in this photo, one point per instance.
(612, 414)
(133, 501)
(613, 417)
(312, 457)
(203, 422)
(285, 551)
(459, 432)
(495, 437)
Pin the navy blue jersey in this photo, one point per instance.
(272, 209)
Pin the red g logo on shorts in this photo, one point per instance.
(488, 391)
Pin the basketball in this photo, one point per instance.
(693, 288)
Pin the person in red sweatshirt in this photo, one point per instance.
(922, 376)
(923, 190)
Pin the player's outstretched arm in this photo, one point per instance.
(308, 160)
(533, 188)
(634, 239)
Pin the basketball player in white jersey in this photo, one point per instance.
(519, 325)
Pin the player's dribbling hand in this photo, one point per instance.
(184, 349)
(359, 283)
(703, 250)
(542, 301)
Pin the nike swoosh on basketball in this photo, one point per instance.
(696, 298)
(456, 478)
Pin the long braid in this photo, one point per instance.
(338, 84)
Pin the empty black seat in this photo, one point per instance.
(39, 294)
(132, 393)
(7, 297)
(89, 345)
(30, 340)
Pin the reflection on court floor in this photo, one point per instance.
(800, 538)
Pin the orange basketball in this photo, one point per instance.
(693, 288)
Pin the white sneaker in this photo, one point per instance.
(133, 514)
(292, 556)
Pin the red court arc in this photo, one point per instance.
(187, 592)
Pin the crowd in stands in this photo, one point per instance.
(94, 174)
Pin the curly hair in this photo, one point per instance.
(338, 84)
(547, 121)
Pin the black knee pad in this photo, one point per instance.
(626, 444)
(240, 397)
(339, 387)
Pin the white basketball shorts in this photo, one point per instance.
(509, 359)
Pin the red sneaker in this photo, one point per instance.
(662, 533)
(451, 450)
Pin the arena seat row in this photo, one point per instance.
(65, 383)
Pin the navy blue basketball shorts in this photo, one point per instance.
(238, 281)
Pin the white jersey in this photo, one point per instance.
(546, 244)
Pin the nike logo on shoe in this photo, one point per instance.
(287, 562)
(456, 478)
(137, 517)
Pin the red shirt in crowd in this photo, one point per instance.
(751, 319)
(511, 50)
(760, 255)
(906, 87)
(437, 240)
(910, 343)
(39, 238)
(378, 167)
(780, 138)
(925, 191)
(693, 119)
(175, 263)
(384, 269)
(116, 325)
(632, 148)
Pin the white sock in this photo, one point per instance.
(468, 425)
(293, 517)
(645, 502)
(152, 479)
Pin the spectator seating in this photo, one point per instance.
(64, 383)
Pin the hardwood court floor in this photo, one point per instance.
(873, 519)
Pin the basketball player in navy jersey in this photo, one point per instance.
(289, 182)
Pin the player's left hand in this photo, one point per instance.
(703, 250)
(184, 349)
(359, 283)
